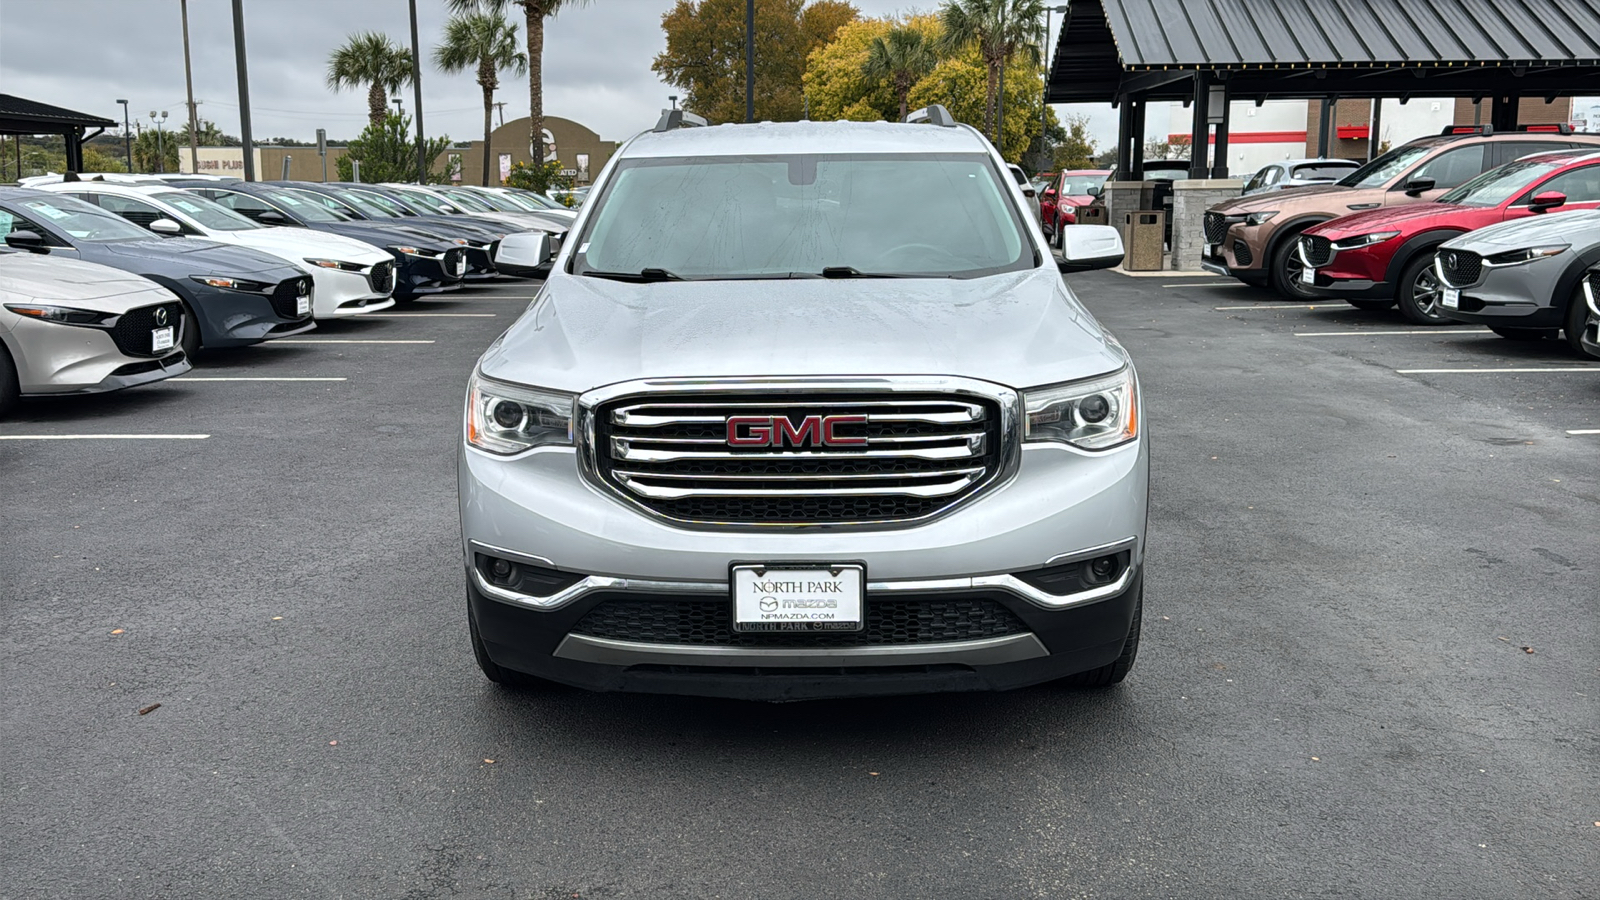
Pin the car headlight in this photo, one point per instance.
(415, 251)
(1365, 240)
(1259, 218)
(61, 315)
(336, 264)
(510, 418)
(1094, 414)
(1518, 257)
(231, 284)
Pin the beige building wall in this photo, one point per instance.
(581, 152)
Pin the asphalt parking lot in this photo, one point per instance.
(1369, 665)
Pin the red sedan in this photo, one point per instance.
(1377, 258)
(1070, 190)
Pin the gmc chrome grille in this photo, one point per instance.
(1316, 250)
(829, 458)
(1216, 226)
(1460, 268)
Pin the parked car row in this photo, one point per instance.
(110, 283)
(1466, 226)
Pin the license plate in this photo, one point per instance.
(161, 339)
(798, 598)
(1451, 299)
(1212, 250)
(461, 266)
(302, 306)
(1308, 275)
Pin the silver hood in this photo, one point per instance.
(1580, 228)
(585, 332)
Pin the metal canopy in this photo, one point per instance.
(1315, 48)
(21, 116)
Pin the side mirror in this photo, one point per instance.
(1417, 186)
(1547, 200)
(1096, 190)
(1029, 192)
(272, 217)
(166, 227)
(26, 240)
(1049, 193)
(1087, 247)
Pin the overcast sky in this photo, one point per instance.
(85, 54)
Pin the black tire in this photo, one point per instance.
(1524, 334)
(1371, 305)
(501, 676)
(1419, 291)
(1285, 268)
(190, 340)
(1577, 320)
(10, 388)
(1113, 672)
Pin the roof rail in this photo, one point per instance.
(932, 114)
(1450, 130)
(1562, 128)
(678, 118)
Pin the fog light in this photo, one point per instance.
(501, 569)
(1102, 568)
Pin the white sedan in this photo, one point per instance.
(351, 277)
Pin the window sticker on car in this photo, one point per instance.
(47, 209)
(186, 206)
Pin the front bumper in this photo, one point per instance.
(341, 293)
(64, 359)
(1060, 503)
(240, 318)
(1521, 296)
(1239, 254)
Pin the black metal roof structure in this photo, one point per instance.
(19, 115)
(1314, 48)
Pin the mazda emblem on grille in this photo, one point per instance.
(776, 431)
(1451, 260)
(161, 315)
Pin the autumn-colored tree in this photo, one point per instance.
(959, 85)
(902, 58)
(487, 44)
(705, 53)
(371, 60)
(1000, 31)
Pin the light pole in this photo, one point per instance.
(399, 106)
(188, 83)
(673, 99)
(749, 60)
(244, 91)
(1044, 106)
(416, 86)
(161, 153)
(127, 138)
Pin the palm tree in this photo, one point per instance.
(534, 13)
(903, 57)
(485, 42)
(999, 29)
(370, 59)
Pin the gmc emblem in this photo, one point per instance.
(777, 431)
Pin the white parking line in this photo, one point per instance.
(1220, 284)
(1292, 306)
(187, 378)
(428, 316)
(1374, 331)
(103, 437)
(340, 341)
(1584, 431)
(1492, 371)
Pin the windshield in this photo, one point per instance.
(85, 222)
(1496, 186)
(1327, 170)
(536, 201)
(427, 201)
(494, 201)
(208, 214)
(468, 201)
(304, 206)
(908, 215)
(387, 204)
(1079, 185)
(363, 203)
(1382, 170)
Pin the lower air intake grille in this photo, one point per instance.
(286, 297)
(1242, 257)
(134, 332)
(888, 622)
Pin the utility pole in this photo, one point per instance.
(1000, 101)
(416, 84)
(127, 141)
(500, 107)
(188, 83)
(749, 60)
(244, 90)
(1044, 106)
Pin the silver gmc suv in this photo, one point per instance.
(805, 410)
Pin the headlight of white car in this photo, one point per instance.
(510, 418)
(1518, 257)
(1094, 414)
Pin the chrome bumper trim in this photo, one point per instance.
(1003, 582)
(1214, 268)
(985, 652)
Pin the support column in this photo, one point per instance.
(1200, 133)
(1325, 126)
(1220, 113)
(1375, 129)
(1124, 167)
(1138, 103)
(1506, 112)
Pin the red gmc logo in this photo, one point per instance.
(777, 431)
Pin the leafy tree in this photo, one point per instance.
(534, 13)
(486, 42)
(834, 81)
(1076, 148)
(1000, 30)
(210, 135)
(370, 58)
(538, 177)
(145, 147)
(705, 53)
(387, 152)
(902, 58)
(958, 84)
(1107, 158)
(1175, 149)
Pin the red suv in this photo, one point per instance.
(1377, 258)
(1067, 192)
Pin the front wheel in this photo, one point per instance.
(10, 387)
(1371, 305)
(1287, 268)
(1577, 320)
(190, 340)
(1419, 291)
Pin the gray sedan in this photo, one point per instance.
(1524, 278)
(1293, 173)
(235, 296)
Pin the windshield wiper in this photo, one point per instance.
(642, 276)
(853, 272)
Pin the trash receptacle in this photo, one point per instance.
(1092, 215)
(1143, 240)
